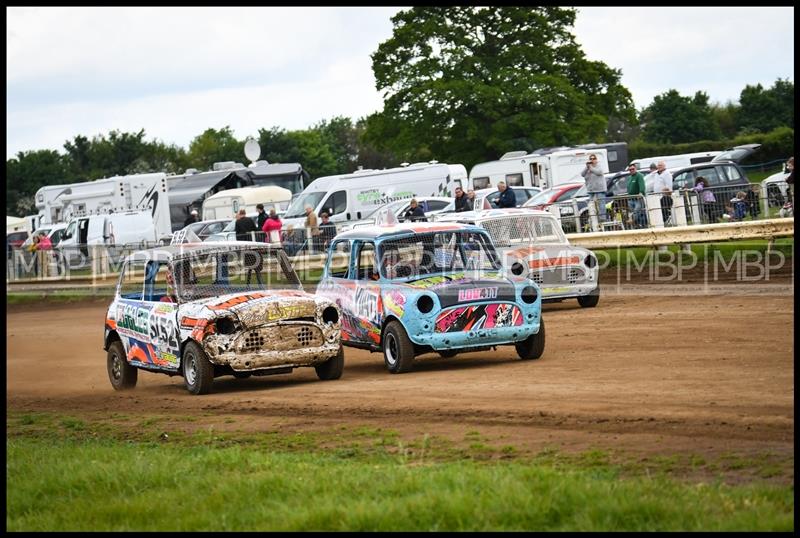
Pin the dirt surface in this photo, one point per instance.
(692, 369)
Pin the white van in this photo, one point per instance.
(351, 197)
(676, 161)
(542, 170)
(225, 204)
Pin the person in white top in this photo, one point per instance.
(663, 184)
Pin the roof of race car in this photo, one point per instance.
(481, 214)
(375, 232)
(169, 252)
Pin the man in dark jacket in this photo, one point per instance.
(414, 213)
(192, 218)
(244, 226)
(507, 197)
(462, 202)
(262, 216)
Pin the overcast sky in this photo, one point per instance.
(177, 71)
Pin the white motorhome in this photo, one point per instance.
(114, 195)
(676, 161)
(350, 197)
(547, 170)
(225, 204)
(16, 224)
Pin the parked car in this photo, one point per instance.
(532, 244)
(487, 198)
(429, 287)
(53, 231)
(431, 205)
(17, 239)
(775, 189)
(228, 233)
(208, 310)
(560, 193)
(205, 228)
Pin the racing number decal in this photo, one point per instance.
(162, 330)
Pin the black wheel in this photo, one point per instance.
(122, 375)
(449, 354)
(398, 351)
(332, 368)
(198, 372)
(591, 300)
(533, 346)
(242, 375)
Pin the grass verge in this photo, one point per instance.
(65, 473)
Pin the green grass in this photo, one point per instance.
(56, 296)
(146, 473)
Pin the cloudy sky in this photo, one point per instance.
(175, 72)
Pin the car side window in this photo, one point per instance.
(155, 287)
(733, 173)
(684, 180)
(214, 228)
(131, 283)
(436, 205)
(336, 203)
(712, 176)
(566, 195)
(339, 259)
(366, 262)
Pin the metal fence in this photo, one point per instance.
(679, 208)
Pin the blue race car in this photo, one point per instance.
(409, 289)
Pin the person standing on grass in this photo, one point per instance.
(272, 227)
(636, 187)
(261, 218)
(593, 173)
(244, 226)
(663, 184)
(707, 198)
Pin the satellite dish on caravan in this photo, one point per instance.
(252, 150)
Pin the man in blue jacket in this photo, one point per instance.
(507, 197)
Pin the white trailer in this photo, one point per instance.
(351, 197)
(118, 194)
(522, 169)
(226, 203)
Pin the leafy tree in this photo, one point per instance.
(725, 116)
(28, 172)
(467, 83)
(277, 146)
(215, 146)
(672, 118)
(762, 110)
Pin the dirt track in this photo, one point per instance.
(645, 373)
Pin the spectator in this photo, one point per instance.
(192, 218)
(312, 229)
(327, 230)
(707, 198)
(507, 196)
(261, 218)
(790, 180)
(462, 201)
(471, 200)
(663, 184)
(244, 226)
(414, 213)
(34, 250)
(595, 184)
(739, 205)
(272, 227)
(636, 187)
(752, 200)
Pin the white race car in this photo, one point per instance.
(204, 310)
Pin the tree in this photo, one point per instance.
(672, 118)
(215, 146)
(725, 116)
(27, 173)
(764, 110)
(468, 83)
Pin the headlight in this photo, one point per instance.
(425, 304)
(330, 315)
(590, 261)
(225, 325)
(529, 294)
(517, 268)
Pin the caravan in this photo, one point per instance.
(225, 204)
(544, 169)
(350, 197)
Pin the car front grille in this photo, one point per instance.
(280, 338)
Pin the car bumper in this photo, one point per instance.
(566, 291)
(476, 338)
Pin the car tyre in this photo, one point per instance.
(533, 346)
(398, 351)
(122, 375)
(198, 372)
(332, 368)
(590, 300)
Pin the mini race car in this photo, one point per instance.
(531, 243)
(409, 289)
(211, 309)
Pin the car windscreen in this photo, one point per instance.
(298, 207)
(234, 270)
(436, 253)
